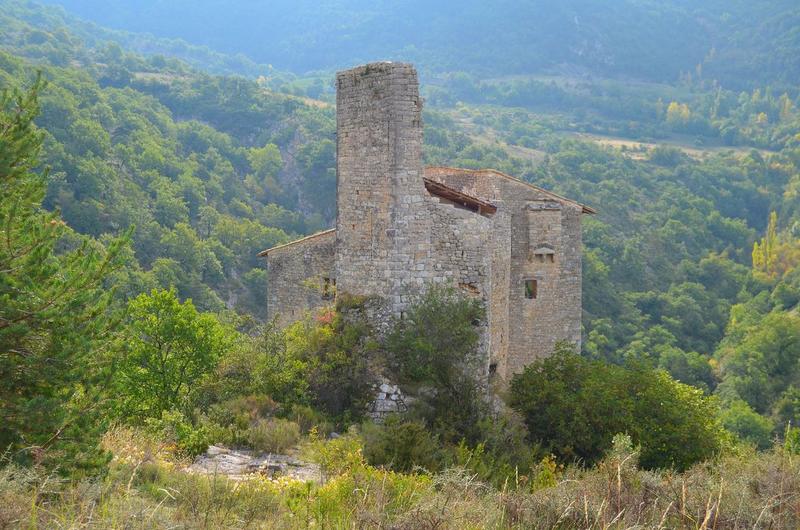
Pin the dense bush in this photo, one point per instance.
(188, 439)
(573, 407)
(401, 445)
(166, 346)
(433, 351)
(314, 373)
(334, 350)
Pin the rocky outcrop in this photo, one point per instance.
(240, 464)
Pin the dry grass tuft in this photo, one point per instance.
(145, 489)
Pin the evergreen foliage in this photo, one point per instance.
(55, 319)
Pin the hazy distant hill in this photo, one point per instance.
(40, 20)
(740, 43)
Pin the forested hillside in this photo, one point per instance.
(31, 25)
(737, 43)
(207, 169)
(133, 297)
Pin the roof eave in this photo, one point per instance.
(264, 253)
(584, 208)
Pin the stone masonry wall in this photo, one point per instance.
(497, 248)
(459, 243)
(555, 314)
(292, 272)
(527, 329)
(382, 228)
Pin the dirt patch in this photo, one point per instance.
(640, 150)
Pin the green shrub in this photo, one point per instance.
(320, 361)
(334, 352)
(308, 419)
(274, 435)
(791, 443)
(505, 442)
(667, 156)
(254, 406)
(573, 407)
(241, 412)
(339, 455)
(167, 346)
(436, 337)
(435, 348)
(401, 445)
(191, 440)
(750, 426)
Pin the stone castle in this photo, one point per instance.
(402, 227)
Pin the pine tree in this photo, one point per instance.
(54, 310)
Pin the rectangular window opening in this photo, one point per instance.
(328, 288)
(531, 289)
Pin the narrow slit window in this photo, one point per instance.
(531, 289)
(328, 288)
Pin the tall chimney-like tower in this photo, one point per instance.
(381, 235)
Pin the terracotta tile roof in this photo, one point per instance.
(473, 203)
(433, 171)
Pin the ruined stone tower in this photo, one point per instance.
(381, 238)
(401, 228)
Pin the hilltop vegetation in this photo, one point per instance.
(32, 26)
(132, 295)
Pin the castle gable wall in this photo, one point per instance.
(536, 237)
(296, 277)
